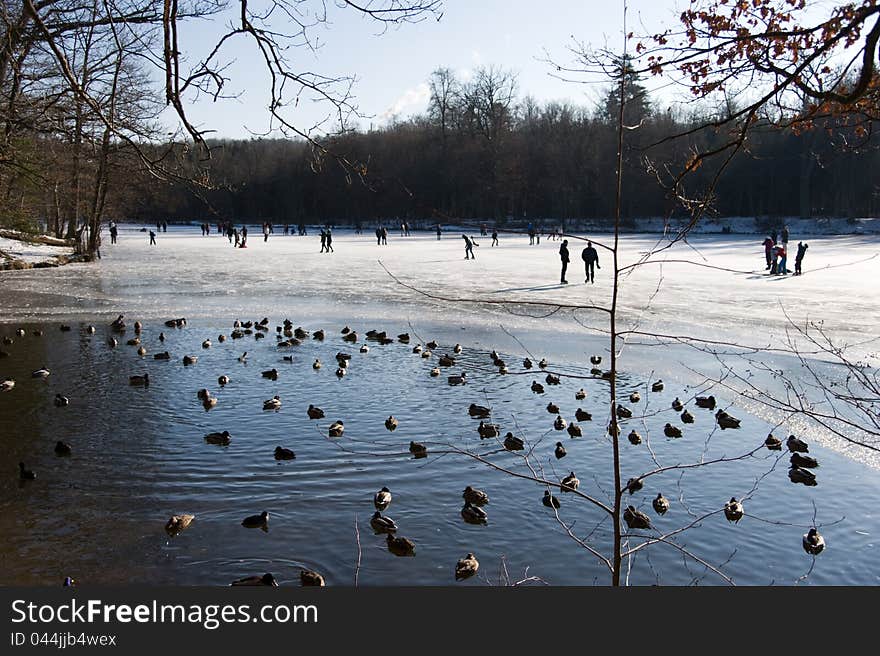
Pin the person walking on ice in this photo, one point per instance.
(494, 237)
(152, 238)
(768, 251)
(469, 247)
(591, 259)
(329, 242)
(801, 251)
(563, 255)
(323, 241)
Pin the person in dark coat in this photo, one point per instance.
(378, 236)
(329, 241)
(439, 232)
(469, 248)
(768, 250)
(152, 238)
(323, 240)
(494, 237)
(785, 236)
(563, 255)
(801, 251)
(591, 260)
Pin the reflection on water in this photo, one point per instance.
(139, 456)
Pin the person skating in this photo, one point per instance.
(329, 241)
(323, 240)
(785, 237)
(469, 247)
(563, 255)
(265, 232)
(591, 259)
(801, 251)
(774, 266)
(113, 232)
(439, 232)
(378, 236)
(384, 236)
(494, 237)
(152, 238)
(768, 250)
(783, 260)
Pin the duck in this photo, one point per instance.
(316, 364)
(134, 341)
(41, 373)
(340, 372)
(458, 380)
(418, 450)
(623, 413)
(559, 423)
(382, 499)
(634, 437)
(300, 333)
(596, 371)
(503, 369)
(161, 337)
(90, 329)
(364, 348)
(223, 380)
(657, 386)
(677, 405)
(221, 338)
(488, 430)
(61, 401)
(549, 500)
(139, 381)
(243, 357)
(282, 453)
(636, 519)
(118, 324)
(513, 443)
(310, 578)
(807, 462)
(660, 503)
(345, 330)
(552, 408)
(734, 510)
(796, 445)
(473, 514)
(435, 372)
(432, 344)
(705, 402)
(142, 351)
(527, 363)
(206, 344)
(552, 379)
(62, 449)
(457, 349)
(613, 429)
(203, 394)
(466, 567)
(271, 374)
(537, 387)
(382, 524)
(164, 355)
(687, 417)
(481, 411)
(417, 348)
(319, 335)
(391, 423)
(403, 338)
(671, 431)
(560, 451)
(635, 397)
(813, 542)
(725, 420)
(773, 443)
(800, 475)
(256, 521)
(570, 483)
(190, 359)
(494, 355)
(25, 474)
(580, 395)
(475, 496)
(178, 523)
(596, 360)
(351, 337)
(633, 485)
(400, 546)
(314, 412)
(543, 363)
(582, 415)
(272, 404)
(426, 354)
(8, 341)
(265, 579)
(336, 429)
(236, 334)
(574, 430)
(221, 439)
(209, 402)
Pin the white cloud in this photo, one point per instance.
(414, 99)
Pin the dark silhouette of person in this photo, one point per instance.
(329, 241)
(494, 237)
(785, 236)
(164, 226)
(801, 251)
(768, 250)
(469, 248)
(113, 232)
(439, 232)
(152, 238)
(378, 236)
(384, 236)
(563, 255)
(323, 240)
(591, 259)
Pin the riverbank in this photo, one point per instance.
(20, 250)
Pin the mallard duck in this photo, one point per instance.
(382, 499)
(25, 474)
(671, 431)
(705, 402)
(677, 405)
(340, 372)
(282, 453)
(473, 514)
(418, 450)
(400, 546)
(223, 380)
(364, 348)
(271, 374)
(475, 496)
(426, 354)
(595, 371)
(560, 451)
(309, 578)
(256, 521)
(537, 387)
(808, 462)
(457, 380)
(513, 443)
(503, 369)
(633, 485)
(552, 379)
(796, 445)
(635, 397)
(570, 483)
(139, 381)
(432, 344)
(574, 430)
(61, 401)
(417, 348)
(221, 338)
(559, 423)
(337, 428)
(206, 344)
(118, 324)
(135, 341)
(345, 330)
(660, 503)
(734, 510)
(634, 437)
(62, 449)
(543, 363)
(457, 349)
(165, 355)
(142, 351)
(315, 412)
(178, 523)
(300, 333)
(316, 364)
(41, 373)
(527, 363)
(623, 412)
(466, 567)
(190, 359)
(435, 372)
(800, 475)
(391, 423)
(351, 337)
(475, 410)
(549, 500)
(582, 415)
(552, 408)
(236, 334)
(265, 579)
(222, 439)
(580, 395)
(636, 519)
(657, 386)
(725, 420)
(272, 404)
(209, 402)
(813, 542)
(687, 417)
(403, 338)
(318, 334)
(203, 394)
(773, 443)
(382, 524)
(596, 360)
(613, 429)
(488, 430)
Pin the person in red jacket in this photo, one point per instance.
(768, 250)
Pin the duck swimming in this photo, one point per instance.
(316, 364)
(559, 423)
(513, 443)
(552, 379)
(552, 408)
(178, 523)
(677, 405)
(633, 485)
(223, 380)
(808, 462)
(139, 381)
(574, 430)
(474, 496)
(804, 476)
(657, 386)
(560, 451)
(725, 420)
(475, 410)
(570, 483)
(488, 430)
(734, 510)
(705, 402)
(315, 412)
(458, 380)
(580, 395)
(671, 431)
(271, 374)
(190, 359)
(382, 499)
(435, 372)
(537, 388)
(400, 546)
(527, 363)
(309, 578)
(265, 579)
(635, 397)
(687, 417)
(165, 355)
(796, 445)
(636, 519)
(773, 443)
(282, 453)
(466, 567)
(336, 429)
(549, 500)
(61, 401)
(391, 423)
(41, 373)
(418, 450)
(221, 439)
(25, 474)
(382, 524)
(634, 437)
(623, 413)
(62, 448)
(473, 514)
(582, 415)
(256, 521)
(272, 404)
(596, 360)
(660, 503)
(813, 543)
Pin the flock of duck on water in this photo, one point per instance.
(474, 499)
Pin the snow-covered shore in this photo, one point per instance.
(22, 251)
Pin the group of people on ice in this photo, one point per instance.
(776, 254)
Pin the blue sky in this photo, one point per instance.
(392, 68)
